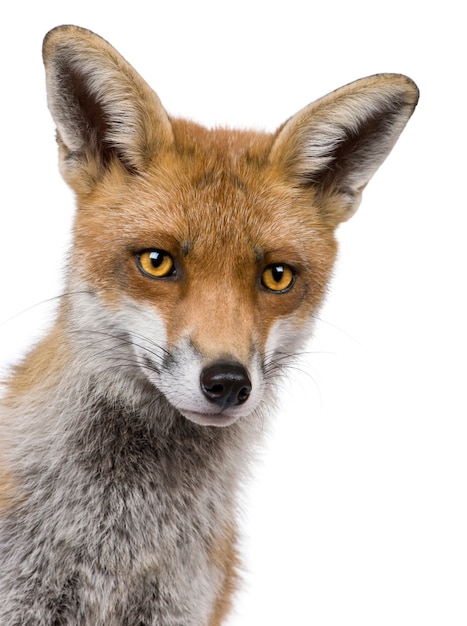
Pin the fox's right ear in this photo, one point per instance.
(336, 144)
(102, 108)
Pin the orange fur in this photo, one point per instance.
(8, 493)
(42, 367)
(225, 557)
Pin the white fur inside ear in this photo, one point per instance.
(105, 87)
(338, 142)
(324, 137)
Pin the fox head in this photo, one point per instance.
(201, 257)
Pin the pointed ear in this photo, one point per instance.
(102, 108)
(336, 144)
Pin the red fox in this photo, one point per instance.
(199, 261)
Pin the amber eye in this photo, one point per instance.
(278, 277)
(156, 263)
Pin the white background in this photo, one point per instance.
(357, 513)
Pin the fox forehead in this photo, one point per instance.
(214, 192)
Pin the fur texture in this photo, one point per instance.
(199, 260)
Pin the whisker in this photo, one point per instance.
(277, 363)
(131, 364)
(341, 330)
(65, 294)
(124, 338)
(140, 336)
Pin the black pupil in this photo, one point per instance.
(156, 258)
(277, 272)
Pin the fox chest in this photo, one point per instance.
(126, 539)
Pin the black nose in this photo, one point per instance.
(225, 383)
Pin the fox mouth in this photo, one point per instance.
(210, 419)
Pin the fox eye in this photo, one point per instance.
(156, 263)
(278, 277)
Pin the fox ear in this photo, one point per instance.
(337, 143)
(101, 106)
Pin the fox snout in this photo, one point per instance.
(213, 393)
(225, 384)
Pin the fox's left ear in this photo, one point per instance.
(337, 143)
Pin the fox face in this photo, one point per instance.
(209, 273)
(201, 257)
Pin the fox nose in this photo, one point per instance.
(225, 383)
